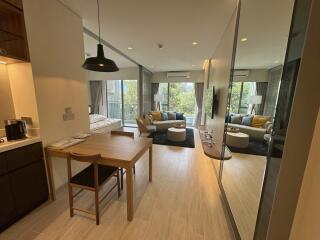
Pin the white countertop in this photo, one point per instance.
(9, 145)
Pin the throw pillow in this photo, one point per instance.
(258, 122)
(164, 116)
(179, 116)
(172, 116)
(236, 119)
(246, 120)
(156, 115)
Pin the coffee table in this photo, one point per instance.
(176, 134)
(238, 140)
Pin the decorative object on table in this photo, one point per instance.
(179, 125)
(160, 138)
(254, 100)
(233, 129)
(100, 63)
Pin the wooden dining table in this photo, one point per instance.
(117, 151)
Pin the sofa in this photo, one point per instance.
(255, 131)
(165, 120)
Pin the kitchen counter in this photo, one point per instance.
(9, 145)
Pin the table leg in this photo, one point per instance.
(48, 164)
(150, 163)
(129, 179)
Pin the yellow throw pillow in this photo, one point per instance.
(156, 116)
(258, 122)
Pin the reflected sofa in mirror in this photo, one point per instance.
(260, 53)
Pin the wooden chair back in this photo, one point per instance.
(93, 159)
(141, 126)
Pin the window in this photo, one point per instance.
(122, 100)
(179, 97)
(239, 96)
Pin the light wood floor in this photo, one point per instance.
(242, 180)
(182, 202)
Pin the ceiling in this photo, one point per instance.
(266, 26)
(142, 24)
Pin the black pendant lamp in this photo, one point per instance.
(100, 63)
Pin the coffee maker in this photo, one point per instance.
(15, 129)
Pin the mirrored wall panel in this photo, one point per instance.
(260, 52)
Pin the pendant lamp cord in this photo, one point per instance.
(99, 19)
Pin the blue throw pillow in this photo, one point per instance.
(246, 120)
(179, 116)
(164, 116)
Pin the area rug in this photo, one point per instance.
(254, 148)
(160, 138)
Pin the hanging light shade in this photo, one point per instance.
(100, 63)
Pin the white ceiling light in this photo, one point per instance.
(244, 39)
(2, 62)
(195, 43)
(130, 48)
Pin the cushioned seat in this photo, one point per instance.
(86, 176)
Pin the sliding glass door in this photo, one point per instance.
(130, 102)
(179, 97)
(114, 99)
(122, 101)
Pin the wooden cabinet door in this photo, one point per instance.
(29, 186)
(7, 208)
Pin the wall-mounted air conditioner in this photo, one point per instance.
(241, 73)
(178, 74)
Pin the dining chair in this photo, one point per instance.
(127, 134)
(92, 178)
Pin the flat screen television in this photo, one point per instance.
(210, 102)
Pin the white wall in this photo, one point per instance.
(6, 101)
(307, 216)
(23, 92)
(56, 48)
(195, 76)
(131, 73)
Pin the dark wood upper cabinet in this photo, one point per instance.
(13, 37)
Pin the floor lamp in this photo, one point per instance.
(254, 100)
(158, 98)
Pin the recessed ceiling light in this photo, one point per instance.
(276, 61)
(130, 48)
(195, 43)
(2, 62)
(244, 39)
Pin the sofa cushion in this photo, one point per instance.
(258, 121)
(156, 115)
(237, 119)
(246, 120)
(179, 116)
(172, 116)
(164, 116)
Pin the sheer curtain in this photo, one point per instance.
(96, 95)
(261, 91)
(155, 90)
(198, 89)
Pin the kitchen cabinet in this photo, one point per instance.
(23, 183)
(13, 38)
